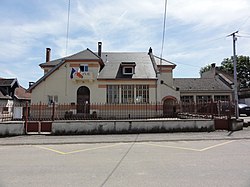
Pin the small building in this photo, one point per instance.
(212, 86)
(12, 97)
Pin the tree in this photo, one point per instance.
(206, 68)
(243, 69)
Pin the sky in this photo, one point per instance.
(195, 34)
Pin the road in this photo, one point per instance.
(201, 163)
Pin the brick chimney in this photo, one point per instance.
(48, 51)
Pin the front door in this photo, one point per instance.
(83, 98)
(169, 108)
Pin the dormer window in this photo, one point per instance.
(128, 68)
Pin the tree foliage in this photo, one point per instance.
(242, 67)
(205, 69)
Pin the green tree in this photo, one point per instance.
(243, 69)
(206, 68)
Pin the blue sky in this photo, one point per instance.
(195, 33)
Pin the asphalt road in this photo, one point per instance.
(221, 163)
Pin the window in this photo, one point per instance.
(52, 99)
(203, 99)
(187, 99)
(221, 98)
(84, 67)
(127, 94)
(113, 94)
(5, 110)
(142, 94)
(128, 70)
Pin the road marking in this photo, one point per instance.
(169, 146)
(79, 150)
(143, 143)
(94, 148)
(190, 149)
(50, 149)
(217, 145)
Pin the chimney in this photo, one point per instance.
(99, 49)
(48, 50)
(213, 66)
(150, 51)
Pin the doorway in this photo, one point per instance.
(83, 100)
(169, 107)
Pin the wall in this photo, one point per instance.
(11, 128)
(133, 126)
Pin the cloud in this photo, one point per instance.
(195, 30)
(209, 13)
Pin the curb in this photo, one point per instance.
(126, 141)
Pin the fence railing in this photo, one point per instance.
(114, 111)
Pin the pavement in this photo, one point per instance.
(122, 138)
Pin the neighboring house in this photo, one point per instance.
(105, 77)
(11, 94)
(212, 86)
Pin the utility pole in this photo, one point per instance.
(235, 75)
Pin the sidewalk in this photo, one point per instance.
(124, 138)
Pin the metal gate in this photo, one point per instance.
(38, 127)
(222, 124)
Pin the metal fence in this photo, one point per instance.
(100, 111)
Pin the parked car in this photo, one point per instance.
(244, 109)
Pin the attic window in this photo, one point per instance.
(128, 68)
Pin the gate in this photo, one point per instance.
(222, 124)
(38, 127)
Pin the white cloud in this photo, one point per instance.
(122, 25)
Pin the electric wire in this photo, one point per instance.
(244, 23)
(164, 29)
(67, 34)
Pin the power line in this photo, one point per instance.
(67, 34)
(164, 29)
(244, 23)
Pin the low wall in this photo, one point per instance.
(131, 126)
(12, 128)
(236, 124)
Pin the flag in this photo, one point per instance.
(78, 74)
(72, 73)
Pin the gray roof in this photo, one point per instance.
(200, 84)
(143, 70)
(82, 55)
(7, 82)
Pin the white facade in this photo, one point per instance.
(149, 82)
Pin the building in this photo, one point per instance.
(213, 85)
(105, 78)
(12, 97)
(116, 79)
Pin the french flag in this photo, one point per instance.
(72, 73)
